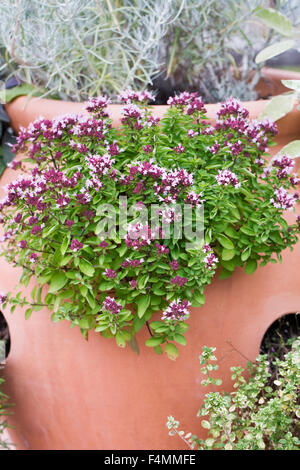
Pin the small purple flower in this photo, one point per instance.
(294, 180)
(227, 177)
(147, 148)
(192, 133)
(33, 257)
(36, 229)
(3, 298)
(162, 249)
(18, 218)
(89, 214)
(214, 148)
(32, 220)
(103, 244)
(22, 244)
(110, 273)
(177, 310)
(110, 305)
(133, 283)
(113, 149)
(283, 200)
(179, 281)
(174, 265)
(133, 263)
(211, 261)
(69, 223)
(76, 245)
(179, 149)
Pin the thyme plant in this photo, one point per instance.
(261, 413)
(3, 413)
(116, 225)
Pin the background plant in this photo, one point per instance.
(53, 220)
(81, 48)
(4, 405)
(262, 413)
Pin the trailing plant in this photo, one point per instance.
(116, 225)
(81, 48)
(3, 413)
(261, 413)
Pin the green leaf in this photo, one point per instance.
(276, 20)
(86, 267)
(278, 107)
(154, 341)
(143, 303)
(83, 290)
(58, 281)
(225, 242)
(28, 313)
(172, 351)
(180, 339)
(227, 254)
(205, 424)
(6, 96)
(251, 266)
(225, 273)
(65, 244)
(198, 299)
(293, 84)
(292, 149)
(274, 49)
(246, 253)
(120, 339)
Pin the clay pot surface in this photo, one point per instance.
(75, 394)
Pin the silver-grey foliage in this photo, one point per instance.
(81, 48)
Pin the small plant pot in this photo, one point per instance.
(75, 394)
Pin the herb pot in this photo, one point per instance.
(75, 394)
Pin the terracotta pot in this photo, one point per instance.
(75, 394)
(270, 81)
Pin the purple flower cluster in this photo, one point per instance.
(96, 105)
(3, 298)
(110, 273)
(110, 305)
(174, 265)
(194, 199)
(177, 310)
(132, 263)
(284, 200)
(179, 149)
(284, 166)
(210, 259)
(232, 107)
(99, 164)
(179, 281)
(227, 177)
(76, 245)
(129, 96)
(138, 236)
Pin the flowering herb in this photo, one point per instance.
(64, 219)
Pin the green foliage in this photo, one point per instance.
(63, 219)
(261, 413)
(4, 405)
